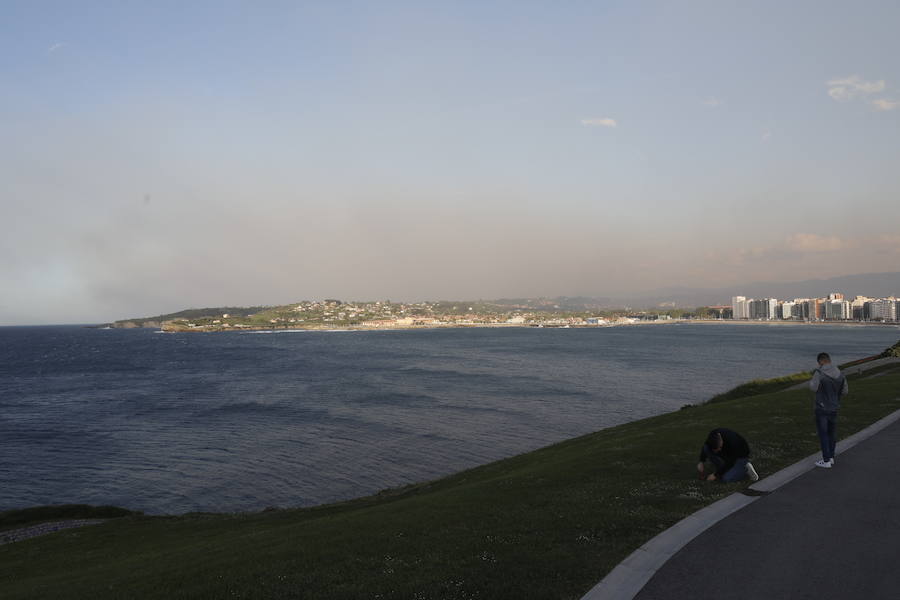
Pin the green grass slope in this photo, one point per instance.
(547, 524)
(193, 313)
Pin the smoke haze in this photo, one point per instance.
(157, 158)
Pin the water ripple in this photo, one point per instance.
(227, 422)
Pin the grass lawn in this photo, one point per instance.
(547, 524)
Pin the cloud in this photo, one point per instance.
(766, 134)
(848, 88)
(854, 86)
(54, 48)
(811, 242)
(599, 122)
(885, 104)
(713, 102)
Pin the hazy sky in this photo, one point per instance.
(160, 155)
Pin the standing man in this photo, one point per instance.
(829, 384)
(730, 454)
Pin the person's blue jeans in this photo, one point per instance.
(826, 426)
(735, 473)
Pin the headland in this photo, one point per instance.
(336, 315)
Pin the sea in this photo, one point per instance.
(169, 423)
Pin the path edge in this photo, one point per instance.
(632, 574)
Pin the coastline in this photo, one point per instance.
(466, 528)
(457, 536)
(412, 327)
(636, 322)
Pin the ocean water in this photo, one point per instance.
(170, 423)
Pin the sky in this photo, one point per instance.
(156, 156)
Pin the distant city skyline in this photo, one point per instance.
(834, 307)
(164, 155)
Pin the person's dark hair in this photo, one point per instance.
(822, 356)
(713, 440)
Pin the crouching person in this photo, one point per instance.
(729, 453)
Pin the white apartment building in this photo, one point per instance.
(772, 308)
(786, 310)
(740, 308)
(882, 310)
(835, 308)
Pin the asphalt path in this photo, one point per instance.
(830, 533)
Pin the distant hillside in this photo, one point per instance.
(866, 284)
(558, 303)
(190, 313)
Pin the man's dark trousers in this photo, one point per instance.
(826, 426)
(736, 472)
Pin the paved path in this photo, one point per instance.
(878, 362)
(854, 370)
(827, 534)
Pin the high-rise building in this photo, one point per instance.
(814, 310)
(889, 310)
(837, 310)
(857, 308)
(786, 310)
(740, 308)
(868, 309)
(833, 308)
(881, 310)
(756, 309)
(846, 310)
(764, 309)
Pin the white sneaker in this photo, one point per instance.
(831, 460)
(825, 464)
(752, 475)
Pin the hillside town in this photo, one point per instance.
(833, 308)
(337, 314)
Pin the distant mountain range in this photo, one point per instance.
(866, 284)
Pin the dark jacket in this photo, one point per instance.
(829, 384)
(734, 446)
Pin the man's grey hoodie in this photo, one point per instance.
(829, 384)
